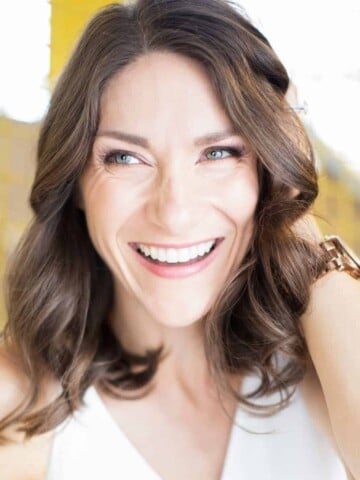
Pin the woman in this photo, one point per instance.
(168, 267)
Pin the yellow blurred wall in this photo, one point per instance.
(17, 165)
(341, 208)
(339, 194)
(67, 22)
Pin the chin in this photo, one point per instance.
(179, 319)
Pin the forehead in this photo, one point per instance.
(162, 92)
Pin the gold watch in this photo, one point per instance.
(339, 256)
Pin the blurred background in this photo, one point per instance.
(317, 41)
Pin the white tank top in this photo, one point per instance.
(90, 446)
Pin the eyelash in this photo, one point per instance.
(234, 152)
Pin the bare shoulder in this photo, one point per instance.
(19, 459)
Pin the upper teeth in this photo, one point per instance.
(175, 255)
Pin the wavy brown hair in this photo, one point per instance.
(59, 291)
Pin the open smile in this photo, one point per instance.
(175, 262)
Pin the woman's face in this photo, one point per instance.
(158, 194)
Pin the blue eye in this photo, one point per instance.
(121, 158)
(216, 153)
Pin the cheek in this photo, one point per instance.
(239, 198)
(107, 209)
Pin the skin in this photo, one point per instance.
(171, 193)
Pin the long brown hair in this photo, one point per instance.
(59, 291)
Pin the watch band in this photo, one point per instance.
(339, 256)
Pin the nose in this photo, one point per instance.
(173, 205)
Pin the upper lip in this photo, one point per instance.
(174, 245)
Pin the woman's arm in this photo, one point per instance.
(331, 325)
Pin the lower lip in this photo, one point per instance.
(178, 270)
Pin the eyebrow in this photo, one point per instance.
(144, 142)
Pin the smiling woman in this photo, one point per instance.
(162, 269)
